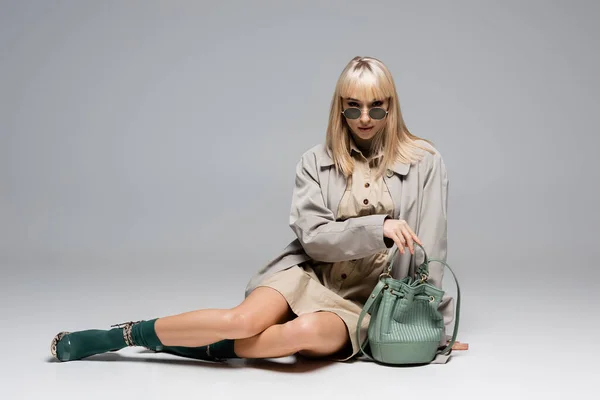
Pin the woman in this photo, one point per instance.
(372, 185)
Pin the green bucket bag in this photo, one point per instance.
(406, 326)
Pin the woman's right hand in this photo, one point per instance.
(399, 231)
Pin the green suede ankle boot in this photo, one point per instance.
(68, 346)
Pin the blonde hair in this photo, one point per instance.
(369, 77)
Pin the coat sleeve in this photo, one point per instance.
(432, 225)
(432, 229)
(322, 237)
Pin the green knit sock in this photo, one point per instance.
(143, 334)
(223, 349)
(219, 350)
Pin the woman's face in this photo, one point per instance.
(365, 127)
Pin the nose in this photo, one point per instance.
(364, 116)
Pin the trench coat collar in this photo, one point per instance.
(354, 149)
(326, 160)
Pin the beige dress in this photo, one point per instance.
(341, 287)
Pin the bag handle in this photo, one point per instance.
(422, 270)
(377, 292)
(448, 349)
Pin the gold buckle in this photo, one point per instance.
(385, 274)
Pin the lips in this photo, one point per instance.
(365, 129)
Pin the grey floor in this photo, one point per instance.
(517, 351)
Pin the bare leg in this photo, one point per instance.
(262, 308)
(316, 334)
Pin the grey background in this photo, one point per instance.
(147, 155)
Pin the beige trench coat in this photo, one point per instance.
(420, 195)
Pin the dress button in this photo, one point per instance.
(367, 185)
(366, 201)
(344, 276)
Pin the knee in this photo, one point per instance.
(241, 324)
(306, 330)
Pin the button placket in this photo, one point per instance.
(348, 268)
(367, 177)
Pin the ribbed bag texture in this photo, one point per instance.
(406, 326)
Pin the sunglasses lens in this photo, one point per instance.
(352, 113)
(377, 113)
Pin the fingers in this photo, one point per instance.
(406, 237)
(413, 235)
(399, 240)
(403, 236)
(409, 240)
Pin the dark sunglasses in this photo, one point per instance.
(355, 113)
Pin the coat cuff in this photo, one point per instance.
(389, 243)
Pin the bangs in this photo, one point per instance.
(367, 85)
